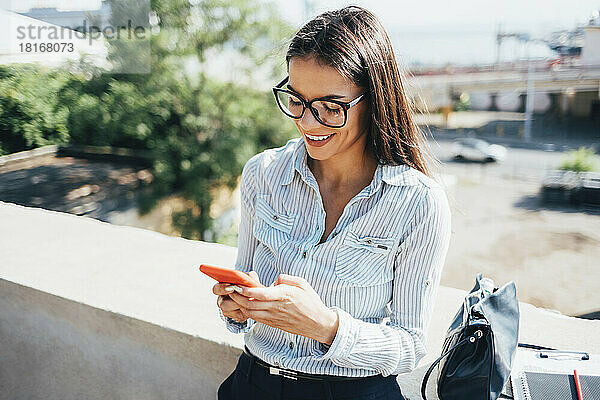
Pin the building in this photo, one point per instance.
(75, 19)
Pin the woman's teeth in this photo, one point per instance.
(318, 137)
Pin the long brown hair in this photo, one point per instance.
(353, 41)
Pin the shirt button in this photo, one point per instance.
(304, 254)
(275, 217)
(427, 282)
(291, 345)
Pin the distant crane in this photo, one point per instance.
(525, 38)
(519, 36)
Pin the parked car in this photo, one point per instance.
(474, 149)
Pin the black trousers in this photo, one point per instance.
(252, 382)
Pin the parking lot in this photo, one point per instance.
(501, 229)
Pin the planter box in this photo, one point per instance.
(558, 185)
(588, 190)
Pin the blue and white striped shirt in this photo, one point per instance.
(384, 258)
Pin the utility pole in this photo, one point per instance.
(499, 38)
(530, 94)
(523, 38)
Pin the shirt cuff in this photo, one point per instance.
(342, 342)
(234, 326)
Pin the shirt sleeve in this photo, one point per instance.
(247, 243)
(397, 346)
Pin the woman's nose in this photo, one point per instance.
(308, 121)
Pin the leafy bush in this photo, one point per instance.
(28, 119)
(463, 103)
(580, 160)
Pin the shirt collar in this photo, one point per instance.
(298, 163)
(396, 175)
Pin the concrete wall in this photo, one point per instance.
(591, 46)
(98, 311)
(54, 348)
(582, 103)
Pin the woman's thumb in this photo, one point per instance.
(254, 275)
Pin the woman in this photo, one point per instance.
(345, 224)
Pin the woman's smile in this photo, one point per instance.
(318, 140)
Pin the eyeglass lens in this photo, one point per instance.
(328, 112)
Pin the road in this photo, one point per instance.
(521, 164)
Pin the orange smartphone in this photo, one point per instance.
(228, 275)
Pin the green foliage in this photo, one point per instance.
(463, 103)
(227, 238)
(580, 160)
(208, 149)
(200, 130)
(27, 117)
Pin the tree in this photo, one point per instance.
(200, 130)
(27, 117)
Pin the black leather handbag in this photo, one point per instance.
(480, 345)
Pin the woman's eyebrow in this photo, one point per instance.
(329, 96)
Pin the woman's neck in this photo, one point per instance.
(346, 170)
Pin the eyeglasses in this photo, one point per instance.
(329, 112)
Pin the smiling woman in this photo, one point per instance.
(345, 225)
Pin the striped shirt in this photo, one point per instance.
(379, 269)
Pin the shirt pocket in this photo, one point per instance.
(364, 260)
(272, 228)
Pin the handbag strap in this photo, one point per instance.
(476, 335)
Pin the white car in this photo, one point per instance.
(474, 149)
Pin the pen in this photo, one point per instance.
(578, 385)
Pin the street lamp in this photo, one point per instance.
(530, 94)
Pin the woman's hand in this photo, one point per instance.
(228, 307)
(290, 304)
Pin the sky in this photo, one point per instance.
(435, 31)
(463, 13)
(64, 5)
(461, 31)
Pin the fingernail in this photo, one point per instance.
(229, 289)
(236, 288)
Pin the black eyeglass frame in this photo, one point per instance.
(346, 105)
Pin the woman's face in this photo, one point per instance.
(311, 80)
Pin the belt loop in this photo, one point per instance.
(327, 387)
(249, 371)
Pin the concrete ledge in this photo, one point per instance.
(94, 310)
(101, 153)
(55, 348)
(28, 154)
(16, 160)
